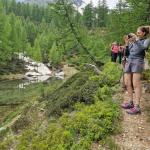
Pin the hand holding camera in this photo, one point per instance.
(130, 38)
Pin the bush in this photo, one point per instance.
(146, 75)
(110, 75)
(82, 88)
(76, 89)
(76, 130)
(86, 123)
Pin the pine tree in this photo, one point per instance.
(13, 35)
(23, 40)
(88, 15)
(4, 38)
(37, 55)
(31, 30)
(102, 13)
(99, 13)
(140, 11)
(13, 6)
(55, 54)
(5, 5)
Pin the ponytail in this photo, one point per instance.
(145, 29)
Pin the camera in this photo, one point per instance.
(129, 36)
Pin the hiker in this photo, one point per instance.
(125, 51)
(134, 66)
(120, 53)
(114, 51)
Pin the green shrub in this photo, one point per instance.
(110, 75)
(83, 124)
(103, 93)
(146, 75)
(3, 132)
(6, 144)
(82, 88)
(112, 72)
(76, 130)
(76, 89)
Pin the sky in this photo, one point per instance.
(111, 3)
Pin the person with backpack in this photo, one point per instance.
(114, 51)
(134, 66)
(120, 53)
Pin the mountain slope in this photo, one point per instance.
(39, 2)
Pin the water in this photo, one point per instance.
(16, 93)
(9, 97)
(12, 97)
(9, 91)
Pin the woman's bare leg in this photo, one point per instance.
(137, 87)
(128, 83)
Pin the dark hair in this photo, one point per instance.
(145, 29)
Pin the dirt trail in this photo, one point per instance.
(135, 134)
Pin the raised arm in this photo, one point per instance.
(145, 45)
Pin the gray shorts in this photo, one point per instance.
(134, 66)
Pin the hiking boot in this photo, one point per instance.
(128, 105)
(134, 111)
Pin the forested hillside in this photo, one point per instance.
(79, 113)
(45, 33)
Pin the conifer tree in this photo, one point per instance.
(13, 6)
(102, 13)
(4, 38)
(37, 55)
(13, 34)
(88, 15)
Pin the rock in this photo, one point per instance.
(141, 139)
(146, 88)
(93, 67)
(148, 138)
(32, 74)
(2, 128)
(43, 78)
(37, 72)
(44, 70)
(60, 75)
(30, 68)
(34, 63)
